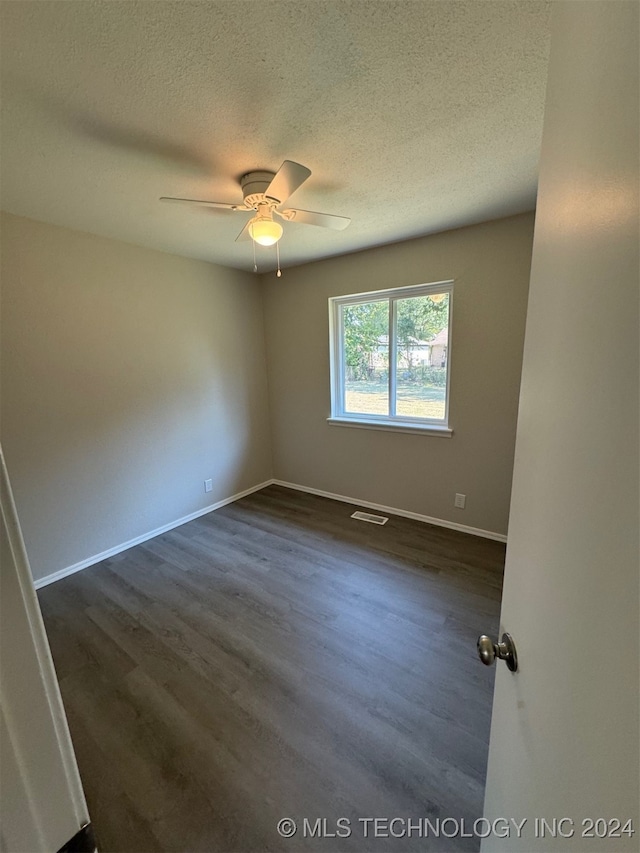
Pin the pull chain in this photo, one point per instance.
(255, 265)
(279, 273)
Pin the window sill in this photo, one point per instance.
(400, 426)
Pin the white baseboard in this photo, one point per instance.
(111, 552)
(439, 522)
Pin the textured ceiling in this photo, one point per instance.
(413, 116)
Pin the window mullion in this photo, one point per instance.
(392, 358)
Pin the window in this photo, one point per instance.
(390, 354)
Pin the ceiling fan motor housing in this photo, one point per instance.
(254, 186)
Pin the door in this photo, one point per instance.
(42, 806)
(564, 735)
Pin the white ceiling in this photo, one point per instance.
(414, 116)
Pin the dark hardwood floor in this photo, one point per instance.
(277, 659)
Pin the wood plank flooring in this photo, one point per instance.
(277, 659)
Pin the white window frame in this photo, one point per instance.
(339, 416)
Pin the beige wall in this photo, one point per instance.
(490, 264)
(129, 376)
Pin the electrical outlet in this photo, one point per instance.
(208, 485)
(460, 501)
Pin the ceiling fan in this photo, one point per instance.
(265, 193)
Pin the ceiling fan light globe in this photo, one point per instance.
(266, 232)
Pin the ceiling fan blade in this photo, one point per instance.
(287, 180)
(218, 204)
(244, 234)
(308, 217)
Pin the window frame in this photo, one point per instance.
(391, 421)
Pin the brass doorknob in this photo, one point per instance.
(488, 651)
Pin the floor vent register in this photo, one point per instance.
(372, 519)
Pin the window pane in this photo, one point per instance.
(366, 358)
(421, 356)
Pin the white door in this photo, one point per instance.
(42, 805)
(564, 735)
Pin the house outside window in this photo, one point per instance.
(390, 358)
